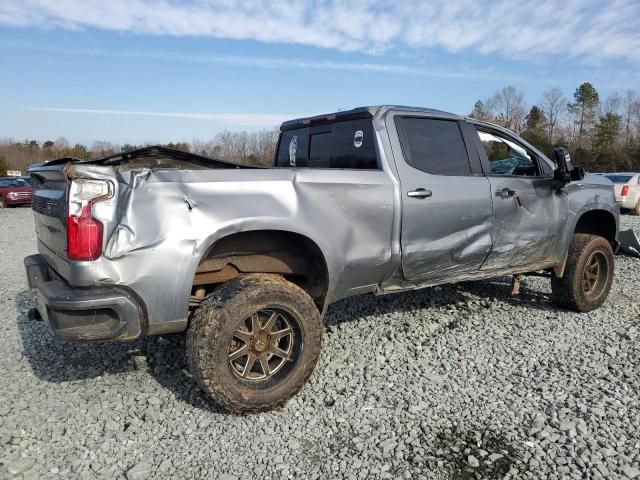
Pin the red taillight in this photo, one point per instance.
(84, 231)
(84, 235)
(624, 191)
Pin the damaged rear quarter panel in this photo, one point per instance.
(166, 221)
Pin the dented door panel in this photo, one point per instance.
(446, 219)
(526, 208)
(525, 224)
(449, 233)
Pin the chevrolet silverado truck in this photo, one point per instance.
(246, 260)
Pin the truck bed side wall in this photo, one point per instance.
(169, 219)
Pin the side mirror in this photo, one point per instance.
(562, 174)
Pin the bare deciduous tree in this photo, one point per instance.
(554, 105)
(510, 108)
(630, 104)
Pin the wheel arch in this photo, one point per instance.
(293, 255)
(595, 221)
(598, 222)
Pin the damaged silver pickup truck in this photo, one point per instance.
(246, 260)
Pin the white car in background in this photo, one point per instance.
(626, 186)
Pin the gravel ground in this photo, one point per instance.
(451, 382)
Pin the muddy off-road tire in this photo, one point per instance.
(253, 342)
(587, 276)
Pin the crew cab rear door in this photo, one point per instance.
(446, 200)
(525, 206)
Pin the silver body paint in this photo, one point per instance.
(160, 223)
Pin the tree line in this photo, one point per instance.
(254, 148)
(601, 134)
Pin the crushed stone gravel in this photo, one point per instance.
(460, 381)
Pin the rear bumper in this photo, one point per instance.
(83, 314)
(626, 202)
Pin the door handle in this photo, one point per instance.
(419, 193)
(505, 193)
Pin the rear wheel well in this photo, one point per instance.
(598, 222)
(294, 256)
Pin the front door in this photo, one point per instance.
(525, 206)
(446, 201)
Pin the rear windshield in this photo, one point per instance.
(13, 183)
(619, 178)
(346, 144)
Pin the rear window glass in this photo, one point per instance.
(433, 145)
(619, 178)
(347, 144)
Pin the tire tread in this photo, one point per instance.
(565, 290)
(205, 325)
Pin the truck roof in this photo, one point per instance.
(360, 112)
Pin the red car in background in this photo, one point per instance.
(14, 191)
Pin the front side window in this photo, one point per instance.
(433, 145)
(507, 157)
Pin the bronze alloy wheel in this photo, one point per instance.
(595, 273)
(588, 274)
(263, 344)
(253, 342)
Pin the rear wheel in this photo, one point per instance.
(254, 342)
(2, 204)
(588, 274)
(636, 210)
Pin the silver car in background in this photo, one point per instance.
(626, 186)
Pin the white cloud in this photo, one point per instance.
(576, 28)
(231, 119)
(460, 72)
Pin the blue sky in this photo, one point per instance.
(132, 71)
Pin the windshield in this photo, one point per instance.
(619, 178)
(13, 182)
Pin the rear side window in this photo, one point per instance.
(433, 145)
(346, 144)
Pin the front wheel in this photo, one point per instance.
(588, 274)
(254, 342)
(2, 204)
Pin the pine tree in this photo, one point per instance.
(586, 102)
(536, 129)
(604, 142)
